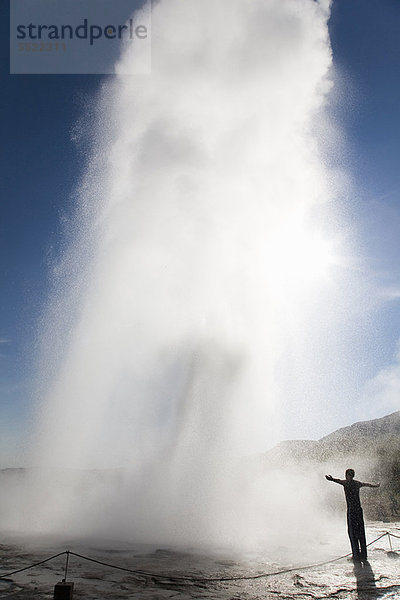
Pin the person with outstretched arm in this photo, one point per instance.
(355, 518)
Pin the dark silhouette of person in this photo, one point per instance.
(355, 518)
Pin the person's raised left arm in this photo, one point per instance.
(371, 485)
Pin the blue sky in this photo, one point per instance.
(40, 165)
(366, 49)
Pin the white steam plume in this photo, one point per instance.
(195, 255)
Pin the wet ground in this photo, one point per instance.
(342, 580)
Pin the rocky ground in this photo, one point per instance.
(341, 580)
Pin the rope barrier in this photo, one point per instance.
(187, 579)
(32, 566)
(132, 571)
(195, 579)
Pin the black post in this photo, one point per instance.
(64, 590)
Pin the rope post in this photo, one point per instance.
(390, 541)
(66, 567)
(64, 590)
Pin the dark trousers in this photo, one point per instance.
(356, 530)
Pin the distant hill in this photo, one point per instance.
(364, 435)
(385, 426)
(363, 438)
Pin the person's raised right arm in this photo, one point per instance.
(330, 478)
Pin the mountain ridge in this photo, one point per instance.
(352, 439)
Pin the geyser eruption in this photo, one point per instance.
(194, 254)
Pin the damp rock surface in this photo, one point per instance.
(168, 573)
